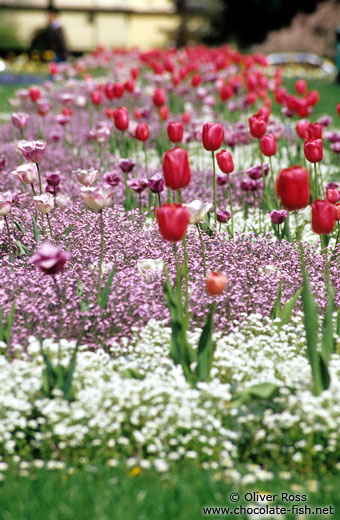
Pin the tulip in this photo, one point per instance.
(323, 217)
(142, 132)
(62, 119)
(6, 200)
(223, 215)
(313, 150)
(226, 92)
(20, 120)
(50, 259)
(34, 93)
(156, 184)
(186, 118)
(313, 98)
(97, 198)
(216, 283)
(138, 185)
(96, 97)
(176, 168)
(175, 131)
(2, 162)
(225, 161)
(26, 173)
(338, 109)
(173, 221)
(111, 178)
(196, 80)
(198, 210)
(121, 118)
(300, 86)
(314, 131)
(33, 151)
(268, 145)
(44, 203)
(212, 138)
(159, 97)
(164, 112)
(333, 195)
(53, 181)
(43, 107)
(292, 186)
(129, 85)
(86, 177)
(302, 128)
(118, 90)
(278, 216)
(126, 165)
(257, 126)
(109, 91)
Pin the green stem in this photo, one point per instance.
(185, 253)
(60, 320)
(9, 239)
(40, 184)
(49, 225)
(101, 256)
(273, 182)
(124, 143)
(159, 199)
(231, 208)
(214, 186)
(316, 181)
(146, 160)
(203, 250)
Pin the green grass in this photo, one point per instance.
(6, 93)
(105, 493)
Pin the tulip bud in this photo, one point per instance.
(216, 283)
(156, 184)
(302, 128)
(278, 216)
(97, 198)
(292, 187)
(300, 86)
(173, 221)
(323, 217)
(226, 92)
(109, 92)
(257, 126)
(225, 161)
(142, 132)
(176, 168)
(118, 90)
(313, 150)
(34, 93)
(126, 165)
(268, 145)
(212, 136)
(19, 119)
(314, 131)
(186, 118)
(96, 97)
(223, 215)
(312, 98)
(164, 112)
(175, 131)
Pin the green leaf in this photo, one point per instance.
(106, 291)
(258, 391)
(7, 327)
(325, 377)
(19, 226)
(206, 348)
(286, 231)
(36, 233)
(1, 326)
(285, 313)
(22, 249)
(327, 341)
(68, 230)
(68, 378)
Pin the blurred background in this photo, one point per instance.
(261, 25)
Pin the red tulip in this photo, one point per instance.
(225, 161)
(212, 136)
(96, 97)
(216, 283)
(257, 126)
(121, 118)
(164, 112)
(186, 118)
(292, 186)
(134, 72)
(159, 97)
(53, 68)
(313, 150)
(35, 93)
(129, 85)
(337, 212)
(302, 128)
(196, 80)
(302, 108)
(173, 221)
(264, 112)
(314, 131)
(292, 103)
(109, 112)
(333, 195)
(280, 95)
(142, 132)
(300, 86)
(176, 168)
(175, 131)
(268, 145)
(109, 93)
(323, 217)
(312, 98)
(226, 92)
(338, 109)
(251, 98)
(118, 90)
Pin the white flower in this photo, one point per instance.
(198, 210)
(148, 267)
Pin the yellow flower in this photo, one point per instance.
(135, 471)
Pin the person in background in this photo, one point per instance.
(55, 38)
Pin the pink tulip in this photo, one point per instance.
(33, 151)
(44, 203)
(50, 259)
(86, 177)
(26, 173)
(97, 198)
(19, 119)
(6, 200)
